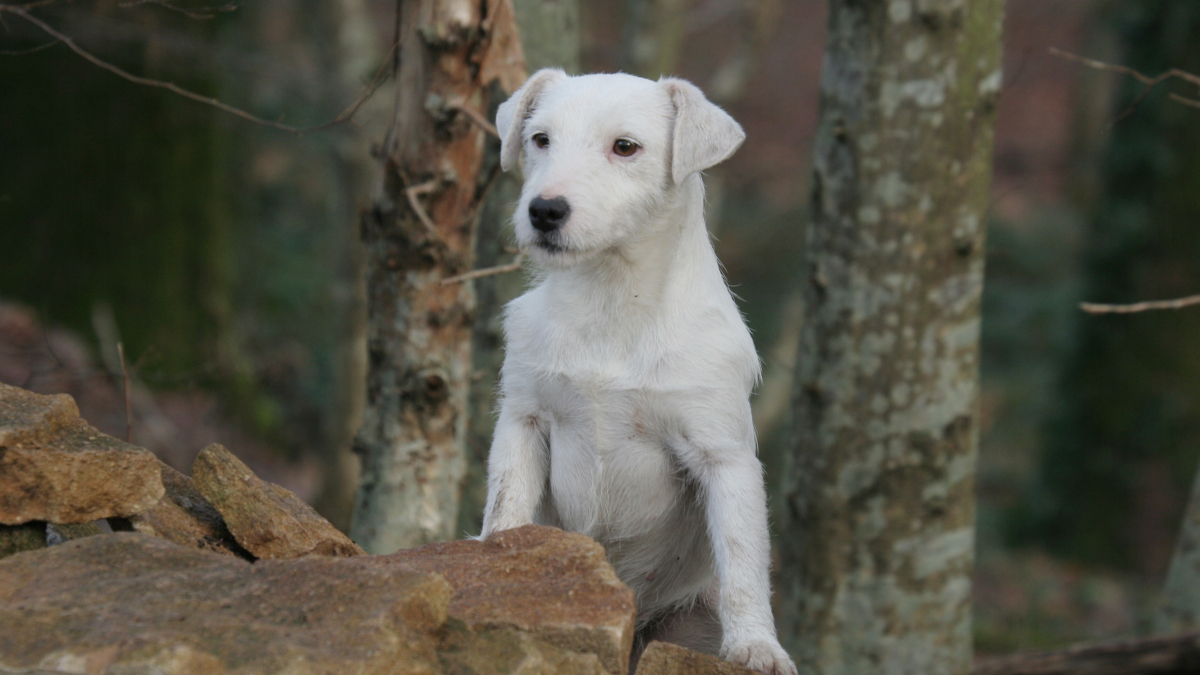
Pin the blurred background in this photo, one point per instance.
(216, 262)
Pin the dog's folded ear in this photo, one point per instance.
(510, 118)
(704, 134)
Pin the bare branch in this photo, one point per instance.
(412, 193)
(477, 118)
(169, 86)
(1150, 82)
(200, 13)
(1183, 100)
(1180, 303)
(26, 52)
(128, 407)
(1160, 655)
(514, 266)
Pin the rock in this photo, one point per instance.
(59, 534)
(554, 586)
(267, 520)
(185, 517)
(663, 658)
(55, 467)
(131, 604)
(17, 538)
(505, 651)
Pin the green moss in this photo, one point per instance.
(18, 538)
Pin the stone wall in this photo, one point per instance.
(112, 562)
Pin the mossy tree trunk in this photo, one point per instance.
(878, 533)
(421, 230)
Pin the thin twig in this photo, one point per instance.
(1180, 303)
(412, 193)
(514, 266)
(367, 90)
(1183, 100)
(1150, 82)
(128, 407)
(477, 118)
(169, 86)
(201, 13)
(1126, 70)
(26, 52)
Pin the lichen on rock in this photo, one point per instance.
(267, 520)
(185, 517)
(662, 658)
(55, 467)
(556, 586)
(130, 603)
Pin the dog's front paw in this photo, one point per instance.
(764, 655)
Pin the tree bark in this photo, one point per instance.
(878, 533)
(652, 37)
(421, 230)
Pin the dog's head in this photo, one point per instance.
(604, 155)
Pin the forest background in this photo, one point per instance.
(217, 263)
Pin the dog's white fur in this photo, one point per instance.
(625, 411)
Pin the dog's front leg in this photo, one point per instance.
(735, 505)
(517, 466)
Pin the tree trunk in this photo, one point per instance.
(550, 38)
(878, 534)
(1179, 607)
(652, 37)
(421, 230)
(294, 352)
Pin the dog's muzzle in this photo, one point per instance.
(547, 215)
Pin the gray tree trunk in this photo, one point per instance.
(421, 230)
(1179, 608)
(294, 322)
(878, 533)
(550, 38)
(652, 36)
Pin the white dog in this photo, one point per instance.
(625, 411)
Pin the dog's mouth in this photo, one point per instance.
(548, 244)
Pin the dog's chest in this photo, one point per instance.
(611, 473)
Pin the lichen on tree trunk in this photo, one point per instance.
(878, 534)
(419, 332)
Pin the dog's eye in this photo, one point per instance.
(625, 147)
(541, 140)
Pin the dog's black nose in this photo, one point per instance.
(548, 214)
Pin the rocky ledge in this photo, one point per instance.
(111, 562)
